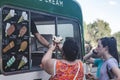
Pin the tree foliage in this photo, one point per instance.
(96, 30)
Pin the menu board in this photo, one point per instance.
(15, 39)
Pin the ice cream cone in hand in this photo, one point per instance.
(57, 39)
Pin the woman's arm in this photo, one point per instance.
(88, 57)
(116, 71)
(47, 61)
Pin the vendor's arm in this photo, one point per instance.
(42, 40)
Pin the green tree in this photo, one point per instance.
(86, 34)
(98, 29)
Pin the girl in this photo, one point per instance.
(107, 48)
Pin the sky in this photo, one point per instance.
(107, 10)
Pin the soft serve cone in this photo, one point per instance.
(10, 15)
(22, 62)
(23, 17)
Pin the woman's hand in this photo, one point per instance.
(59, 46)
(89, 76)
(52, 46)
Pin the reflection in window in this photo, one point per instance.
(65, 30)
(46, 29)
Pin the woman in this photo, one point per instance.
(68, 68)
(107, 49)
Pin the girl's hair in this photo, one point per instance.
(70, 50)
(111, 43)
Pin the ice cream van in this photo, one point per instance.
(20, 51)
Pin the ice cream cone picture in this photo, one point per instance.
(9, 46)
(23, 46)
(23, 17)
(22, 62)
(22, 31)
(9, 29)
(10, 14)
(10, 62)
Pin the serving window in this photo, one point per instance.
(45, 25)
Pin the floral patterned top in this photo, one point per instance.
(66, 71)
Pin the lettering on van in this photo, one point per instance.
(54, 2)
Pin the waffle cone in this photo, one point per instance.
(7, 17)
(22, 63)
(9, 46)
(21, 19)
(23, 30)
(23, 46)
(10, 30)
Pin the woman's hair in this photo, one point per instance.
(70, 50)
(111, 43)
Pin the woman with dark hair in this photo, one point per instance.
(68, 68)
(108, 60)
(107, 49)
